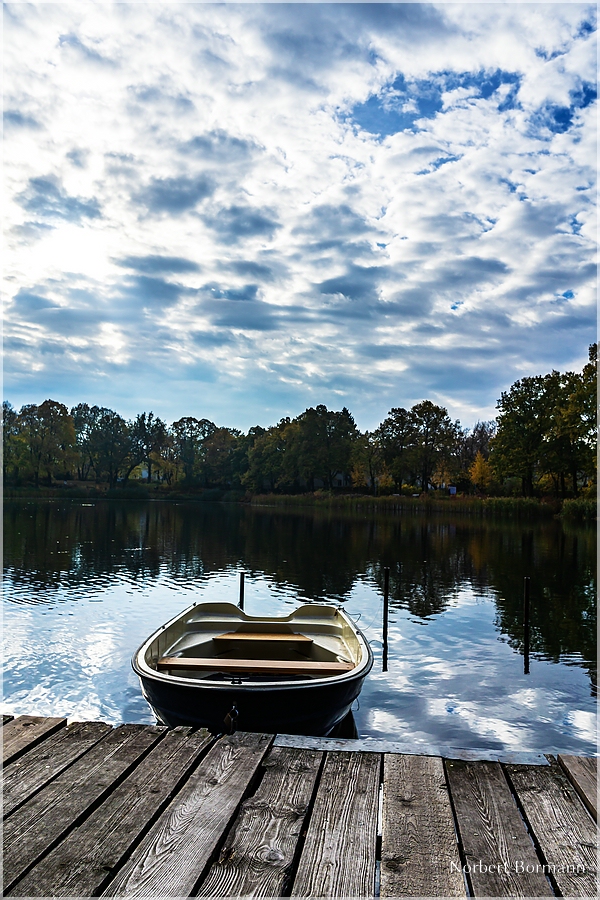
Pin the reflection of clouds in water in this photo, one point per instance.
(583, 724)
(97, 652)
(45, 701)
(386, 722)
(396, 680)
(480, 722)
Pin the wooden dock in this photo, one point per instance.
(92, 810)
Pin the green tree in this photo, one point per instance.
(435, 441)
(13, 446)
(84, 418)
(573, 428)
(523, 425)
(368, 463)
(109, 445)
(148, 435)
(397, 437)
(48, 434)
(189, 435)
(266, 459)
(219, 452)
(325, 442)
(547, 427)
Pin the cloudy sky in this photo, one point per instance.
(237, 211)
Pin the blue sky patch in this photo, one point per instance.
(399, 105)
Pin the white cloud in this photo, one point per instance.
(236, 211)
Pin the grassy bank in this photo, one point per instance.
(496, 507)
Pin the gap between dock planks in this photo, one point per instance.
(419, 853)
(339, 854)
(261, 847)
(499, 855)
(174, 854)
(562, 827)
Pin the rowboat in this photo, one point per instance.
(217, 667)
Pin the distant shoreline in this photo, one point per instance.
(580, 509)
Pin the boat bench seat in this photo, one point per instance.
(256, 666)
(266, 636)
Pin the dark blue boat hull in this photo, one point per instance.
(290, 708)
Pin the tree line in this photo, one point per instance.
(542, 441)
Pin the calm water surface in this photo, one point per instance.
(85, 583)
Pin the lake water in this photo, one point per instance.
(85, 583)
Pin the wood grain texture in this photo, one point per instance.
(582, 772)
(561, 825)
(257, 858)
(273, 666)
(24, 732)
(174, 854)
(339, 854)
(493, 835)
(34, 828)
(419, 851)
(85, 859)
(30, 772)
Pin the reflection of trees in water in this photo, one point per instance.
(320, 554)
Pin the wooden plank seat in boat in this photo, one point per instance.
(256, 666)
(264, 636)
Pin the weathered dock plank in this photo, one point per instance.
(582, 772)
(501, 860)
(419, 853)
(24, 732)
(40, 765)
(84, 861)
(34, 828)
(339, 854)
(173, 856)
(258, 854)
(563, 829)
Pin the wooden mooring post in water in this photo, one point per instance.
(386, 600)
(241, 603)
(526, 582)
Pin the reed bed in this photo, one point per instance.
(496, 507)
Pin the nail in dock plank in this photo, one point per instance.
(419, 853)
(339, 854)
(582, 772)
(562, 826)
(82, 863)
(24, 732)
(41, 764)
(34, 828)
(497, 848)
(173, 855)
(258, 854)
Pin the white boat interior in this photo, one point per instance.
(218, 641)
